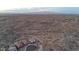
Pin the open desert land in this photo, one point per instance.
(55, 32)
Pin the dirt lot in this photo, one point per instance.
(56, 32)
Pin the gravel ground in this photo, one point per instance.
(55, 32)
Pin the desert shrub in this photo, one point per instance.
(7, 37)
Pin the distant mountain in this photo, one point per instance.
(26, 10)
(44, 10)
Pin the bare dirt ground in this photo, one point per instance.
(56, 32)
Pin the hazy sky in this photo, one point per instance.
(11, 4)
(30, 4)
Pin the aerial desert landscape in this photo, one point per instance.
(50, 32)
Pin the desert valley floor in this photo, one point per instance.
(55, 32)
